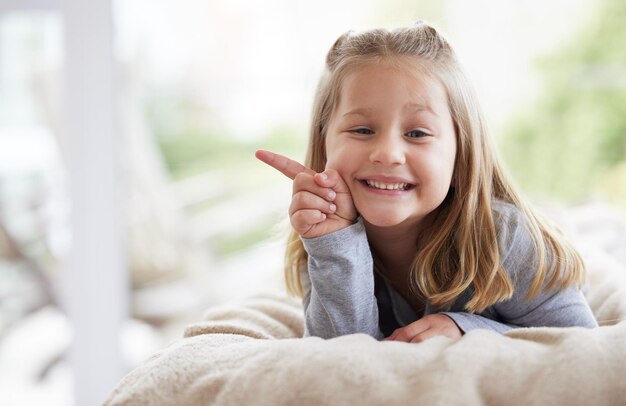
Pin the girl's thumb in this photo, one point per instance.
(330, 178)
(345, 205)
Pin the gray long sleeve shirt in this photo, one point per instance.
(343, 296)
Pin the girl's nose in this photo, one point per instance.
(388, 149)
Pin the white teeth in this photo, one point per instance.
(387, 186)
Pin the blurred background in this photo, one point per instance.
(130, 198)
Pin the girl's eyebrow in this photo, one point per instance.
(413, 107)
(362, 111)
(417, 107)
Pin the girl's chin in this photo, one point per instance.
(382, 221)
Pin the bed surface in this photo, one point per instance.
(251, 353)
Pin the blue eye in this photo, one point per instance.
(363, 131)
(417, 134)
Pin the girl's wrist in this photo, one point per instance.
(342, 226)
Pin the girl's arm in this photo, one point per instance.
(467, 322)
(550, 308)
(339, 285)
(567, 308)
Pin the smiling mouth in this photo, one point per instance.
(387, 186)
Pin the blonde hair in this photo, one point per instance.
(460, 249)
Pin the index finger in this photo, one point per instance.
(286, 166)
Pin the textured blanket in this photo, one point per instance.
(252, 353)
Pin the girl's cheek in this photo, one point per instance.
(332, 159)
(330, 162)
(340, 157)
(337, 165)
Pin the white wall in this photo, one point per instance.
(94, 290)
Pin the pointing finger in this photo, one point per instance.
(286, 166)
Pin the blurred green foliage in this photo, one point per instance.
(231, 244)
(572, 143)
(192, 141)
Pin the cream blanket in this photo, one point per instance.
(251, 354)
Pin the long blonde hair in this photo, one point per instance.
(461, 248)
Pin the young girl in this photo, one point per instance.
(404, 224)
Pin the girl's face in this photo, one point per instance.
(391, 138)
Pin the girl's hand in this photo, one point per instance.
(321, 202)
(425, 328)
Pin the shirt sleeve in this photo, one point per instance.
(339, 285)
(549, 308)
(468, 321)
